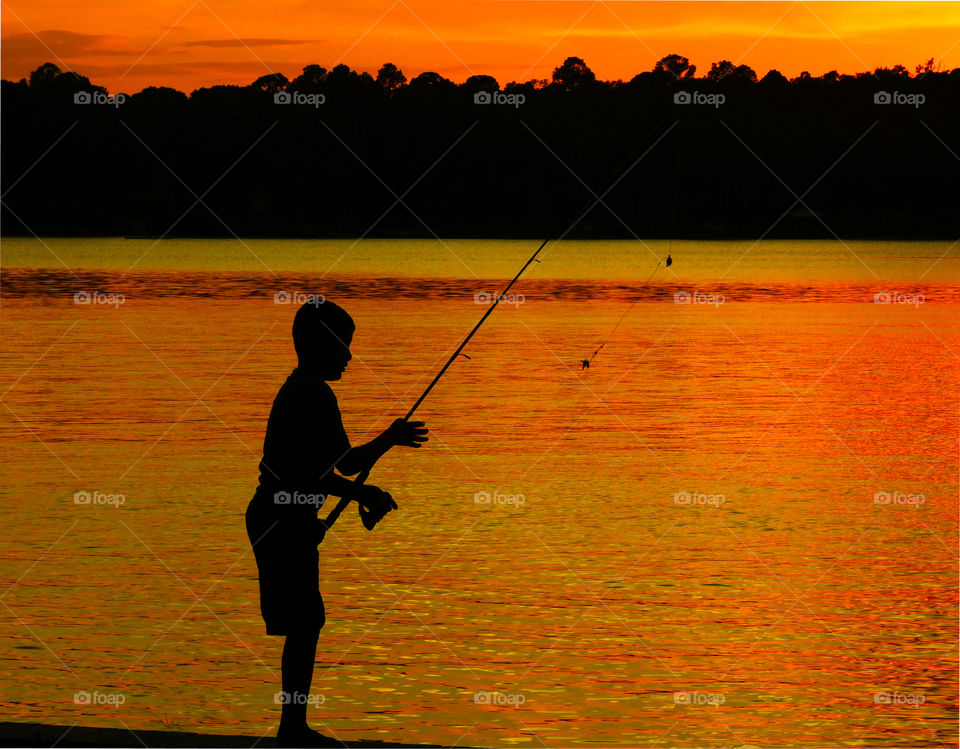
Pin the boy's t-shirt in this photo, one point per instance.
(305, 440)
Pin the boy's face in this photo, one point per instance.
(338, 356)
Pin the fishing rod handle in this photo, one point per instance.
(344, 501)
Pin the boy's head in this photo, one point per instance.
(322, 333)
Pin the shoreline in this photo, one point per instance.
(13, 734)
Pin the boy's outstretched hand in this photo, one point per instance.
(405, 433)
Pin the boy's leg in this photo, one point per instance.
(299, 654)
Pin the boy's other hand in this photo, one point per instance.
(405, 433)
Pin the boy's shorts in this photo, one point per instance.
(288, 563)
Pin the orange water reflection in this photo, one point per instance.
(802, 609)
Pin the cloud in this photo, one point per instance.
(164, 69)
(63, 44)
(248, 42)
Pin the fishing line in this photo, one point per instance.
(585, 363)
(676, 188)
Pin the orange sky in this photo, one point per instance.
(186, 44)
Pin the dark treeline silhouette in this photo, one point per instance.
(329, 153)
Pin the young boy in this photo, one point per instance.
(304, 443)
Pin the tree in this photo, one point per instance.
(774, 77)
(310, 79)
(270, 83)
(391, 77)
(481, 83)
(429, 80)
(44, 75)
(347, 85)
(48, 78)
(159, 97)
(720, 70)
(744, 73)
(573, 74)
(341, 72)
(924, 68)
(726, 69)
(896, 72)
(528, 88)
(677, 66)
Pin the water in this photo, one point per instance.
(698, 514)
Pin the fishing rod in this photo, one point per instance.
(342, 504)
(373, 517)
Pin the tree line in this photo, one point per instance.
(338, 152)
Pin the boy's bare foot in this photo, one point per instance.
(304, 737)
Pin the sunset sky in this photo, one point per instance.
(187, 44)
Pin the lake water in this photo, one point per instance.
(738, 527)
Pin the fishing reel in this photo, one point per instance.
(370, 518)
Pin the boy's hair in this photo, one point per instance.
(317, 326)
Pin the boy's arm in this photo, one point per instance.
(365, 456)
(367, 495)
(401, 433)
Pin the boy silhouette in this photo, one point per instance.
(304, 443)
